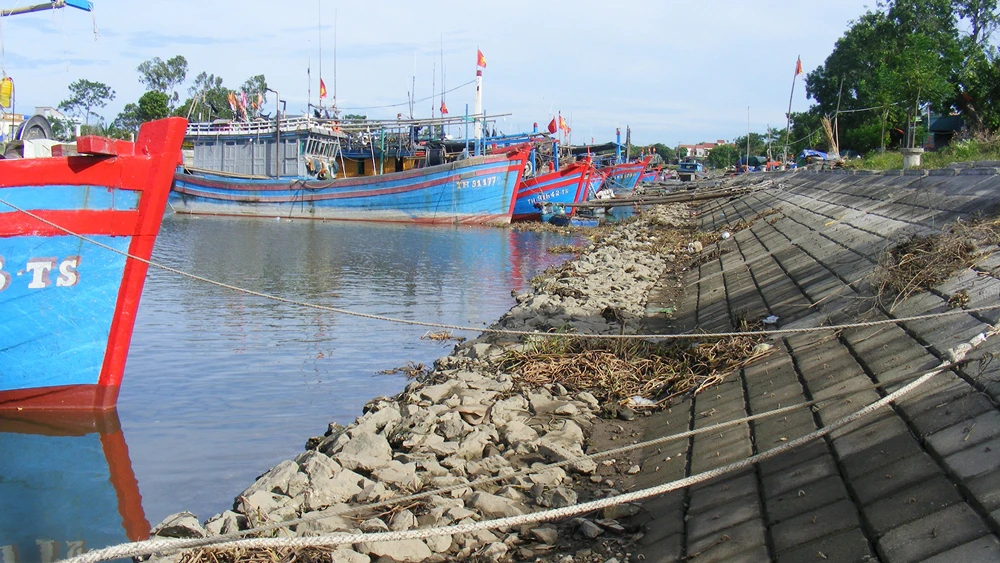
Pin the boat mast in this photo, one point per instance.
(478, 126)
(335, 61)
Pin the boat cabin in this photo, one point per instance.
(305, 148)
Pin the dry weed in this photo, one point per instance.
(442, 335)
(922, 262)
(618, 370)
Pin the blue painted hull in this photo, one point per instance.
(471, 191)
(57, 324)
(564, 188)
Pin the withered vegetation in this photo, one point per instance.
(615, 371)
(924, 261)
(259, 555)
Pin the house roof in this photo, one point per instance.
(947, 124)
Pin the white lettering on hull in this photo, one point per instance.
(41, 270)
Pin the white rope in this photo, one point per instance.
(956, 355)
(682, 336)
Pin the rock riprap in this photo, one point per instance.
(465, 420)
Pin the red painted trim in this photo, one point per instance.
(517, 160)
(161, 138)
(84, 222)
(126, 486)
(93, 397)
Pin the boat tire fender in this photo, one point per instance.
(35, 127)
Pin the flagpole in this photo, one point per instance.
(788, 116)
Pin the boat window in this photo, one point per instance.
(361, 168)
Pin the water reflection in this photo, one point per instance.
(66, 485)
(221, 385)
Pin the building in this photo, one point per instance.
(9, 122)
(701, 150)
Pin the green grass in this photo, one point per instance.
(961, 151)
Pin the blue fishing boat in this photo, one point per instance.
(621, 178)
(70, 302)
(300, 170)
(67, 485)
(568, 185)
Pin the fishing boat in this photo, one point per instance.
(567, 185)
(67, 484)
(650, 175)
(299, 168)
(76, 233)
(621, 178)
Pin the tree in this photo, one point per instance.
(160, 76)
(665, 152)
(153, 105)
(982, 16)
(255, 89)
(723, 156)
(86, 95)
(758, 144)
(127, 122)
(209, 99)
(907, 55)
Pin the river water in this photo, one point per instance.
(221, 385)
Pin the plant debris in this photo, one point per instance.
(442, 335)
(259, 555)
(566, 249)
(959, 299)
(615, 371)
(922, 262)
(410, 370)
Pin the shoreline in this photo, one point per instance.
(466, 419)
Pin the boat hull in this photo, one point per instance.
(472, 191)
(563, 187)
(70, 304)
(622, 178)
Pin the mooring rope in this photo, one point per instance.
(507, 332)
(533, 470)
(955, 356)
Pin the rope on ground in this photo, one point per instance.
(955, 356)
(505, 332)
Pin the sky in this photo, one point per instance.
(673, 72)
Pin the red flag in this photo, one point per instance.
(563, 126)
(480, 59)
(322, 89)
(444, 108)
(798, 66)
(552, 126)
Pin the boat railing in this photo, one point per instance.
(259, 127)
